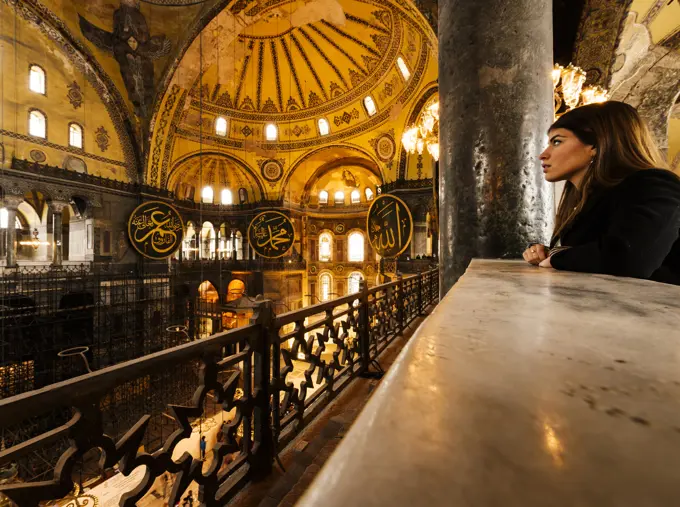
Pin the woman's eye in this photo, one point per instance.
(556, 142)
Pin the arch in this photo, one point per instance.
(37, 79)
(178, 163)
(355, 196)
(207, 194)
(189, 247)
(208, 246)
(354, 154)
(208, 292)
(429, 90)
(326, 246)
(339, 197)
(353, 280)
(331, 166)
(54, 29)
(37, 123)
(225, 197)
(235, 289)
(368, 192)
(325, 286)
(75, 135)
(356, 246)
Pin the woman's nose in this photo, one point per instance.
(543, 155)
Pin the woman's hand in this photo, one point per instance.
(545, 263)
(535, 254)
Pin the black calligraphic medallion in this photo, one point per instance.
(155, 230)
(389, 225)
(271, 234)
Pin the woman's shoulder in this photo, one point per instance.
(660, 181)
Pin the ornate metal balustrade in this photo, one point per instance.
(243, 376)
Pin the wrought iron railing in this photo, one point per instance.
(243, 372)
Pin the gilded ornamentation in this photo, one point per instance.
(384, 146)
(102, 138)
(75, 95)
(272, 170)
(346, 117)
(225, 101)
(269, 106)
(314, 99)
(38, 156)
(390, 86)
(247, 104)
(340, 228)
(298, 131)
(335, 89)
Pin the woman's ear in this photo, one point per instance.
(593, 152)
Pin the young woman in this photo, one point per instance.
(620, 210)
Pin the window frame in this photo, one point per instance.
(331, 241)
(44, 75)
(30, 111)
(401, 71)
(335, 197)
(212, 193)
(351, 234)
(82, 136)
(226, 126)
(327, 196)
(231, 197)
(325, 275)
(276, 130)
(356, 192)
(372, 196)
(375, 106)
(328, 126)
(349, 277)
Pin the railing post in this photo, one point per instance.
(263, 451)
(364, 329)
(421, 307)
(400, 302)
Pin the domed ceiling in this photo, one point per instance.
(293, 64)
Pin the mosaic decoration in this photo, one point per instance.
(339, 269)
(340, 228)
(102, 138)
(389, 225)
(134, 48)
(384, 146)
(75, 164)
(271, 234)
(75, 95)
(272, 170)
(312, 269)
(346, 117)
(155, 230)
(38, 156)
(298, 131)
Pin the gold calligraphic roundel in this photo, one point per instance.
(271, 234)
(155, 230)
(389, 225)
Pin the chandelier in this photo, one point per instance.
(569, 92)
(425, 133)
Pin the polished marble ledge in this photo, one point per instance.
(525, 387)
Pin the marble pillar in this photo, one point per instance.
(496, 104)
(11, 203)
(57, 232)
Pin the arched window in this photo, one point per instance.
(369, 194)
(221, 126)
(242, 195)
(323, 197)
(355, 246)
(226, 196)
(271, 132)
(403, 68)
(353, 282)
(325, 244)
(339, 197)
(355, 196)
(369, 104)
(37, 124)
(207, 194)
(324, 127)
(325, 282)
(75, 135)
(36, 79)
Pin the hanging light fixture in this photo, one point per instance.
(425, 133)
(569, 92)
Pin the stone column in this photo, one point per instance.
(57, 233)
(11, 203)
(496, 104)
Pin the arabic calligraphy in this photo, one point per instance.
(271, 234)
(155, 229)
(389, 225)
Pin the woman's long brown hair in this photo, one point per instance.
(623, 145)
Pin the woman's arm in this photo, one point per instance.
(641, 233)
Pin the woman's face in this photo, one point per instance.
(566, 157)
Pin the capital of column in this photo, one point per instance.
(11, 202)
(58, 206)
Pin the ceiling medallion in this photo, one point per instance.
(340, 228)
(339, 268)
(38, 156)
(271, 169)
(384, 145)
(75, 95)
(102, 138)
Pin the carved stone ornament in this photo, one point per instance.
(38, 156)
